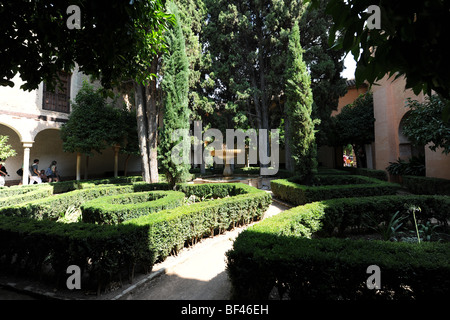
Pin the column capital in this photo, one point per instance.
(27, 144)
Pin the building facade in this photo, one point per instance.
(32, 121)
(390, 98)
(390, 107)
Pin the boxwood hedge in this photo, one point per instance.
(329, 187)
(294, 253)
(118, 208)
(426, 185)
(169, 230)
(55, 206)
(31, 238)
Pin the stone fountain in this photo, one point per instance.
(227, 176)
(226, 155)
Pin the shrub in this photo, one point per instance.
(118, 208)
(415, 166)
(106, 251)
(169, 230)
(55, 206)
(288, 251)
(373, 173)
(335, 269)
(324, 170)
(426, 185)
(19, 196)
(103, 251)
(329, 187)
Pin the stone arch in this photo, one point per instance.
(47, 147)
(12, 164)
(19, 134)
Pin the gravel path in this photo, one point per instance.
(198, 273)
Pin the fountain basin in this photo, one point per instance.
(226, 155)
(252, 180)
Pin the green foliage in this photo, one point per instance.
(324, 66)
(329, 187)
(426, 185)
(387, 229)
(292, 252)
(334, 269)
(130, 33)
(192, 16)
(169, 230)
(6, 150)
(373, 173)
(298, 107)
(355, 123)
(10, 197)
(175, 86)
(102, 251)
(92, 124)
(424, 124)
(105, 252)
(415, 166)
(118, 208)
(402, 27)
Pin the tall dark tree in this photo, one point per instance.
(247, 41)
(325, 66)
(175, 88)
(298, 105)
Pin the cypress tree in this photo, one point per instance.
(298, 108)
(175, 87)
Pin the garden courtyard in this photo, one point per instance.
(213, 150)
(118, 230)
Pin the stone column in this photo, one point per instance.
(26, 162)
(116, 160)
(78, 169)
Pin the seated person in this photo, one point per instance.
(43, 176)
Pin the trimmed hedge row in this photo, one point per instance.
(335, 269)
(338, 216)
(426, 185)
(17, 196)
(103, 251)
(284, 252)
(55, 206)
(107, 251)
(329, 187)
(169, 230)
(373, 173)
(118, 208)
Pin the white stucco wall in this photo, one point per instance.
(26, 123)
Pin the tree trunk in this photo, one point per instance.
(151, 95)
(78, 172)
(86, 170)
(125, 167)
(142, 130)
